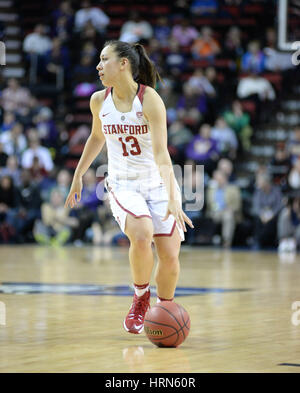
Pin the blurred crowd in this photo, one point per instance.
(216, 91)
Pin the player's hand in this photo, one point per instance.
(75, 190)
(174, 208)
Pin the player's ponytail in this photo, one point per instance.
(142, 68)
(147, 72)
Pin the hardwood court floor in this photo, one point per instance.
(241, 318)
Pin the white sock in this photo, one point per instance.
(140, 292)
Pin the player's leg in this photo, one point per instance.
(132, 214)
(168, 267)
(140, 234)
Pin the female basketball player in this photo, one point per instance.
(144, 196)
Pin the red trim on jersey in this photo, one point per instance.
(123, 208)
(167, 234)
(141, 92)
(107, 91)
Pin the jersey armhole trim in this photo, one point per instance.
(141, 92)
(107, 91)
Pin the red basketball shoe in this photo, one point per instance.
(134, 321)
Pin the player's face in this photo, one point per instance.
(109, 66)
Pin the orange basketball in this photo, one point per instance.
(167, 324)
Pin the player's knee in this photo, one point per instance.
(141, 239)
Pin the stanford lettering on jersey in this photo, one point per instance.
(125, 129)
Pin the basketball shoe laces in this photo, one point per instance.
(139, 307)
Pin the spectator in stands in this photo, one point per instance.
(14, 141)
(86, 211)
(55, 225)
(57, 62)
(280, 166)
(288, 227)
(170, 98)
(254, 59)
(184, 33)
(233, 44)
(280, 62)
(136, 29)
(267, 202)
(45, 125)
(275, 60)
(9, 120)
(175, 60)
(180, 8)
(63, 182)
(294, 175)
(37, 42)
(15, 98)
(226, 166)
(260, 91)
(215, 101)
(204, 7)
(12, 170)
(224, 205)
(89, 49)
(8, 205)
(191, 106)
(84, 72)
(162, 31)
(294, 144)
(226, 138)
(36, 157)
(206, 47)
(62, 30)
(89, 13)
(203, 149)
(62, 141)
(155, 53)
(64, 13)
(35, 46)
(179, 135)
(201, 84)
(87, 34)
(239, 121)
(3, 156)
(109, 233)
(34, 108)
(29, 203)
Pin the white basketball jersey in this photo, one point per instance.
(128, 139)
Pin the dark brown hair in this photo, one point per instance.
(143, 69)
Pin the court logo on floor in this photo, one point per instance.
(99, 290)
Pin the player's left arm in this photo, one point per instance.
(155, 112)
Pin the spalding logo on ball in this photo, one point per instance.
(167, 324)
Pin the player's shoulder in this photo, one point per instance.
(97, 99)
(151, 97)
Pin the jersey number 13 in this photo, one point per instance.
(135, 149)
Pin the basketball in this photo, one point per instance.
(167, 324)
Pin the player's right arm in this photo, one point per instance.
(92, 148)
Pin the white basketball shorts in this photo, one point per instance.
(141, 200)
